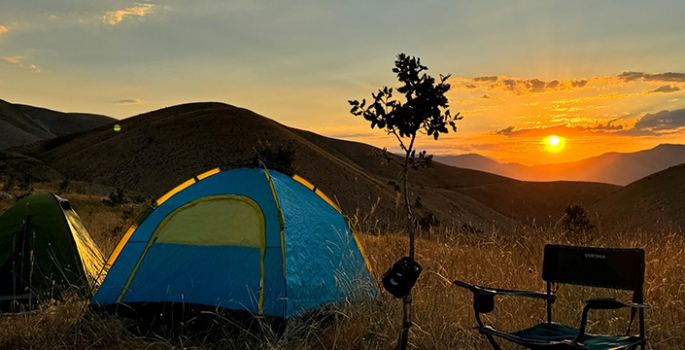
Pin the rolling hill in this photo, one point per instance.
(614, 168)
(156, 151)
(21, 124)
(653, 203)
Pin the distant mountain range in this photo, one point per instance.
(614, 168)
(20, 124)
(154, 152)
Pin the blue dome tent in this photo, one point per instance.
(247, 240)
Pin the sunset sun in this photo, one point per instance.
(554, 143)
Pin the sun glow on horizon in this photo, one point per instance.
(554, 143)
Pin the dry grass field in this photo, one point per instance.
(443, 313)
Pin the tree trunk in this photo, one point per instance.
(411, 230)
(406, 323)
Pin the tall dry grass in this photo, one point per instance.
(443, 313)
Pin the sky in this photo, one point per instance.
(603, 76)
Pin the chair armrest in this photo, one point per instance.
(602, 304)
(484, 297)
(611, 303)
(509, 292)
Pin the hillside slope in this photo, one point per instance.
(21, 124)
(60, 124)
(156, 151)
(656, 202)
(16, 129)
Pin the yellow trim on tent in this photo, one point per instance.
(322, 195)
(208, 173)
(283, 250)
(299, 179)
(115, 254)
(361, 250)
(316, 190)
(182, 186)
(135, 269)
(281, 221)
(261, 283)
(178, 189)
(280, 216)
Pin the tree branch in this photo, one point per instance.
(394, 132)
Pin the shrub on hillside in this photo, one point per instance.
(280, 157)
(577, 223)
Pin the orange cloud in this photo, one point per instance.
(662, 122)
(534, 86)
(462, 84)
(114, 17)
(650, 124)
(18, 61)
(11, 59)
(654, 77)
(490, 98)
(487, 78)
(3, 30)
(566, 130)
(518, 87)
(664, 89)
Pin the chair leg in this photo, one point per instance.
(493, 342)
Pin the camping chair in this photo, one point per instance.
(621, 269)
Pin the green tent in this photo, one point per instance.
(45, 250)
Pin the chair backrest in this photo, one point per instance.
(616, 268)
